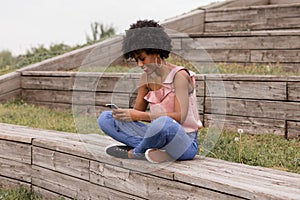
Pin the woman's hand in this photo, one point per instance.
(126, 114)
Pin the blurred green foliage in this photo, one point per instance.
(9, 63)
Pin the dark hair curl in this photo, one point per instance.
(148, 36)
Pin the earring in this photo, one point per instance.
(161, 64)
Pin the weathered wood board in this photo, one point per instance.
(252, 125)
(247, 89)
(253, 18)
(293, 129)
(294, 91)
(8, 183)
(60, 162)
(66, 166)
(253, 108)
(245, 42)
(10, 83)
(16, 170)
(277, 2)
(72, 187)
(147, 186)
(188, 23)
(15, 151)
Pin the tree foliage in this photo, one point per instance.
(9, 63)
(6, 59)
(100, 32)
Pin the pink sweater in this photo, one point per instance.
(163, 100)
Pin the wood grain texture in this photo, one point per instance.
(73, 187)
(15, 151)
(78, 167)
(252, 125)
(253, 108)
(293, 129)
(148, 186)
(247, 89)
(63, 163)
(294, 91)
(15, 169)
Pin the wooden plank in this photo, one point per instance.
(77, 148)
(250, 78)
(276, 2)
(230, 15)
(104, 54)
(227, 26)
(190, 22)
(122, 84)
(73, 187)
(293, 129)
(96, 151)
(253, 13)
(215, 55)
(294, 91)
(245, 89)
(253, 18)
(16, 94)
(219, 55)
(252, 183)
(176, 43)
(250, 125)
(15, 151)
(200, 88)
(254, 33)
(246, 42)
(15, 170)
(15, 136)
(49, 83)
(146, 186)
(253, 108)
(234, 3)
(10, 76)
(48, 195)
(8, 183)
(75, 97)
(47, 96)
(274, 56)
(27, 134)
(60, 162)
(10, 83)
(67, 61)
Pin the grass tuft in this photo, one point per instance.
(265, 150)
(21, 193)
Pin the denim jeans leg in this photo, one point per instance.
(129, 133)
(165, 133)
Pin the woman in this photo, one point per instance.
(171, 133)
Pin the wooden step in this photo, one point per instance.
(70, 165)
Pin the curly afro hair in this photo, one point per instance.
(148, 36)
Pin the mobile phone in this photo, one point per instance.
(112, 105)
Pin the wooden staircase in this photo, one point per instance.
(245, 32)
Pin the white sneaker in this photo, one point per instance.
(157, 156)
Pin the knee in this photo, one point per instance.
(164, 123)
(104, 117)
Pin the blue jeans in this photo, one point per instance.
(162, 133)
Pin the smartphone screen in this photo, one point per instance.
(112, 105)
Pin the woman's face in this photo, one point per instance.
(148, 62)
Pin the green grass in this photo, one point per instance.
(21, 113)
(20, 193)
(266, 150)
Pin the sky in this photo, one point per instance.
(29, 23)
